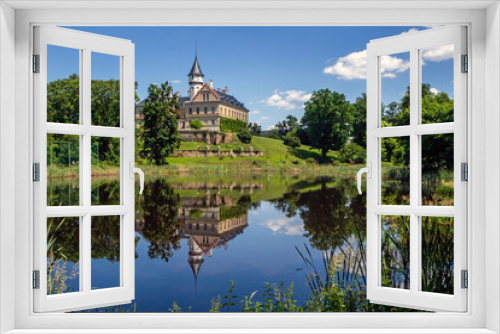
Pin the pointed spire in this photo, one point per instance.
(196, 70)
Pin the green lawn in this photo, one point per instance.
(275, 154)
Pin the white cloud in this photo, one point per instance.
(290, 99)
(175, 81)
(255, 112)
(353, 66)
(271, 127)
(409, 31)
(264, 117)
(439, 53)
(290, 227)
(434, 91)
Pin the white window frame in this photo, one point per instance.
(414, 43)
(85, 44)
(484, 103)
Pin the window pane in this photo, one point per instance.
(105, 90)
(437, 170)
(395, 83)
(395, 170)
(63, 85)
(437, 254)
(105, 171)
(437, 84)
(63, 255)
(105, 252)
(395, 252)
(63, 170)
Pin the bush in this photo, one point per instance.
(196, 124)
(231, 125)
(291, 140)
(352, 153)
(244, 136)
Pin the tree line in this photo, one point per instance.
(332, 123)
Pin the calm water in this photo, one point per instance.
(196, 233)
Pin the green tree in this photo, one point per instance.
(359, 121)
(63, 100)
(255, 129)
(161, 134)
(327, 120)
(291, 139)
(245, 136)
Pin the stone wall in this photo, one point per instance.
(215, 153)
(207, 137)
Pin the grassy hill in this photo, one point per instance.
(275, 154)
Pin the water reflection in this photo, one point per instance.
(196, 233)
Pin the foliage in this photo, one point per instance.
(326, 119)
(352, 153)
(291, 139)
(160, 205)
(63, 103)
(60, 233)
(195, 214)
(161, 135)
(358, 133)
(255, 129)
(289, 124)
(196, 124)
(235, 211)
(244, 136)
(231, 125)
(63, 100)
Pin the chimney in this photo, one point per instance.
(211, 83)
(226, 90)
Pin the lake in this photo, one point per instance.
(197, 233)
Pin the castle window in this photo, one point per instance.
(197, 111)
(190, 111)
(205, 110)
(213, 110)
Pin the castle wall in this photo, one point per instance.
(214, 153)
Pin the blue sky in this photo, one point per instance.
(273, 70)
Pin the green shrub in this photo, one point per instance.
(291, 139)
(196, 124)
(244, 136)
(231, 125)
(195, 214)
(352, 153)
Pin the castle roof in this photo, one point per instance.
(196, 70)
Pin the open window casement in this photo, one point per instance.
(404, 268)
(64, 237)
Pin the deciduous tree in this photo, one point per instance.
(161, 134)
(327, 120)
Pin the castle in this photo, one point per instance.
(204, 103)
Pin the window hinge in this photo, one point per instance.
(465, 279)
(36, 172)
(36, 279)
(464, 171)
(36, 63)
(465, 64)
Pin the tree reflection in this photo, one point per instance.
(158, 209)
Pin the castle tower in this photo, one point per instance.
(195, 78)
(195, 258)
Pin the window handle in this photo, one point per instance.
(368, 171)
(135, 170)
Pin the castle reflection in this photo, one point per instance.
(208, 220)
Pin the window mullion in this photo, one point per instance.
(414, 171)
(86, 172)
